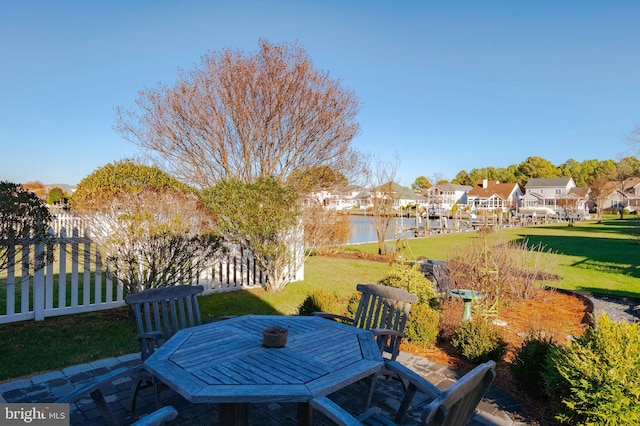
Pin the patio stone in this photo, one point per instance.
(48, 377)
(498, 407)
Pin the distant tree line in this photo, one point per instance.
(583, 173)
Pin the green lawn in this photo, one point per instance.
(589, 256)
(599, 257)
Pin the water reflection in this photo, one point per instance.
(363, 230)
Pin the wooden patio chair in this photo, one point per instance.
(454, 407)
(159, 314)
(95, 389)
(384, 310)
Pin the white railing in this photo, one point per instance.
(79, 280)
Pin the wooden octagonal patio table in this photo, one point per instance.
(225, 362)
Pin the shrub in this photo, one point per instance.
(595, 378)
(22, 214)
(422, 326)
(320, 301)
(478, 341)
(352, 304)
(412, 280)
(499, 269)
(528, 364)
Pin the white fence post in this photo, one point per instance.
(62, 271)
(11, 283)
(38, 285)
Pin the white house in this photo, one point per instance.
(543, 192)
(494, 196)
(558, 194)
(616, 195)
(444, 196)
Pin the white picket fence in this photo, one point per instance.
(78, 281)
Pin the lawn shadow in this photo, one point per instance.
(239, 302)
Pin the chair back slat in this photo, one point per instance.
(384, 307)
(457, 404)
(167, 309)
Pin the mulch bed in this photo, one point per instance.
(556, 314)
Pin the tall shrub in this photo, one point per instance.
(261, 217)
(596, 379)
(499, 269)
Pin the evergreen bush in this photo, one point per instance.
(422, 326)
(528, 364)
(596, 378)
(320, 301)
(412, 280)
(478, 341)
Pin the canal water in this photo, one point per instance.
(363, 230)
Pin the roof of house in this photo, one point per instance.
(631, 183)
(453, 187)
(503, 190)
(399, 191)
(579, 191)
(548, 182)
(610, 187)
(607, 188)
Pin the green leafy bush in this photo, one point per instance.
(478, 341)
(596, 378)
(528, 364)
(320, 301)
(412, 280)
(422, 326)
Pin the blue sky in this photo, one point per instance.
(446, 86)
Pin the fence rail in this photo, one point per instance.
(79, 280)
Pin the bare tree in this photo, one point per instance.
(634, 138)
(569, 205)
(625, 168)
(382, 198)
(599, 191)
(438, 178)
(325, 230)
(246, 116)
